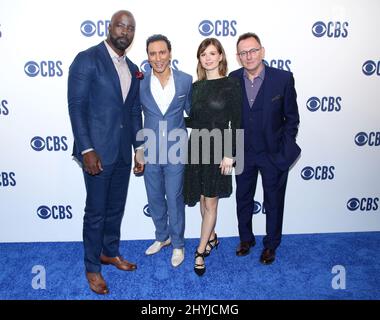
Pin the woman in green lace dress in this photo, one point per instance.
(215, 113)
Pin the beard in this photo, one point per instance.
(120, 43)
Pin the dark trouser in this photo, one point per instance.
(105, 203)
(274, 185)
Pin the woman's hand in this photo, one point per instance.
(226, 166)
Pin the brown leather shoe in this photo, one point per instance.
(244, 248)
(119, 262)
(96, 282)
(267, 256)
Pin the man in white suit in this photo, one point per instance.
(165, 94)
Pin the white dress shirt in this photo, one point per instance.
(122, 70)
(162, 95)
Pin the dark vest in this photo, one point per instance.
(253, 124)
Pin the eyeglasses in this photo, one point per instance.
(244, 54)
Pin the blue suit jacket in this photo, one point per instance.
(173, 117)
(99, 117)
(280, 115)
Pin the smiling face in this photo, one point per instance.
(121, 31)
(159, 56)
(210, 58)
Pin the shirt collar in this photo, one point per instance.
(154, 76)
(261, 75)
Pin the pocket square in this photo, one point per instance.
(277, 98)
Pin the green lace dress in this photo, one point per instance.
(216, 104)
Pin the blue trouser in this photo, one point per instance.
(164, 185)
(105, 203)
(274, 185)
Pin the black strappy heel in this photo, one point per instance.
(213, 245)
(199, 268)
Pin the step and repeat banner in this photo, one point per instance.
(332, 47)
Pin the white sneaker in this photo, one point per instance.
(156, 247)
(178, 257)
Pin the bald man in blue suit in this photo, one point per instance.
(105, 114)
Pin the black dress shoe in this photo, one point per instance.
(244, 247)
(267, 256)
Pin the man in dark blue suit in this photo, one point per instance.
(270, 121)
(105, 114)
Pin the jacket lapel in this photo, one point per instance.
(110, 68)
(134, 80)
(176, 80)
(266, 93)
(242, 82)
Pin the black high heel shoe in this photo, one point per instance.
(199, 268)
(213, 244)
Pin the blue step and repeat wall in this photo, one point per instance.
(332, 47)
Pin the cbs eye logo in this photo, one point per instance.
(31, 68)
(330, 29)
(50, 143)
(325, 104)
(206, 28)
(361, 139)
(37, 143)
(146, 211)
(371, 139)
(370, 67)
(318, 173)
(44, 68)
(363, 204)
(56, 212)
(313, 104)
(307, 173)
(222, 28)
(44, 212)
(89, 28)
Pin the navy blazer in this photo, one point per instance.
(99, 117)
(280, 115)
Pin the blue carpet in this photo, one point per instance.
(302, 270)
